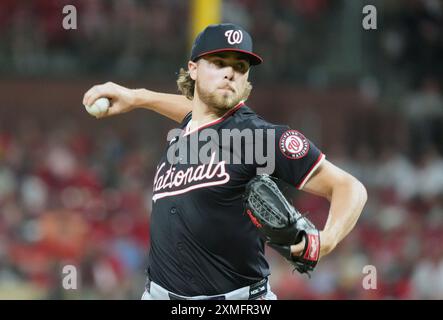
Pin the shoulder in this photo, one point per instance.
(245, 117)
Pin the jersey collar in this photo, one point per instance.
(213, 122)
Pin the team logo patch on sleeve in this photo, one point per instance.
(293, 144)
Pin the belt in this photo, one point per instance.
(250, 292)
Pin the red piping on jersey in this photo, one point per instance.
(320, 157)
(226, 115)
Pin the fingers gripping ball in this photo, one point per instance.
(99, 107)
(281, 224)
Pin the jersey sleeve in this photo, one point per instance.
(296, 157)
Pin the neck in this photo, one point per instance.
(201, 113)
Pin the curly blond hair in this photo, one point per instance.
(185, 84)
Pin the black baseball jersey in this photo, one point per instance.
(202, 242)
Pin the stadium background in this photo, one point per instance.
(77, 191)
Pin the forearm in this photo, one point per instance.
(173, 106)
(347, 201)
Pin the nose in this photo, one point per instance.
(229, 73)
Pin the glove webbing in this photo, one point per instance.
(269, 212)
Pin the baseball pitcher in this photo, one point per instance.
(216, 203)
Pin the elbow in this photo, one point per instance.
(356, 190)
(365, 194)
(361, 191)
(352, 185)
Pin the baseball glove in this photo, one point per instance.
(281, 224)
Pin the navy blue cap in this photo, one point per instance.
(224, 37)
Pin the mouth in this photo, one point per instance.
(227, 88)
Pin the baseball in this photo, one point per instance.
(99, 107)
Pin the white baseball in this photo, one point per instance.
(99, 107)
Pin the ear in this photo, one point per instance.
(192, 67)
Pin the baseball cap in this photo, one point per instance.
(224, 37)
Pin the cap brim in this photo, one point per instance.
(253, 58)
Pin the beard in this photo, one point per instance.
(220, 103)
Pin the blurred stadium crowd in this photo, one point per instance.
(73, 195)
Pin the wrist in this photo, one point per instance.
(327, 242)
(142, 98)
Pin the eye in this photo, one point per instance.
(218, 63)
(241, 67)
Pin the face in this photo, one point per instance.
(221, 80)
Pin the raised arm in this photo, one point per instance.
(172, 106)
(347, 196)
